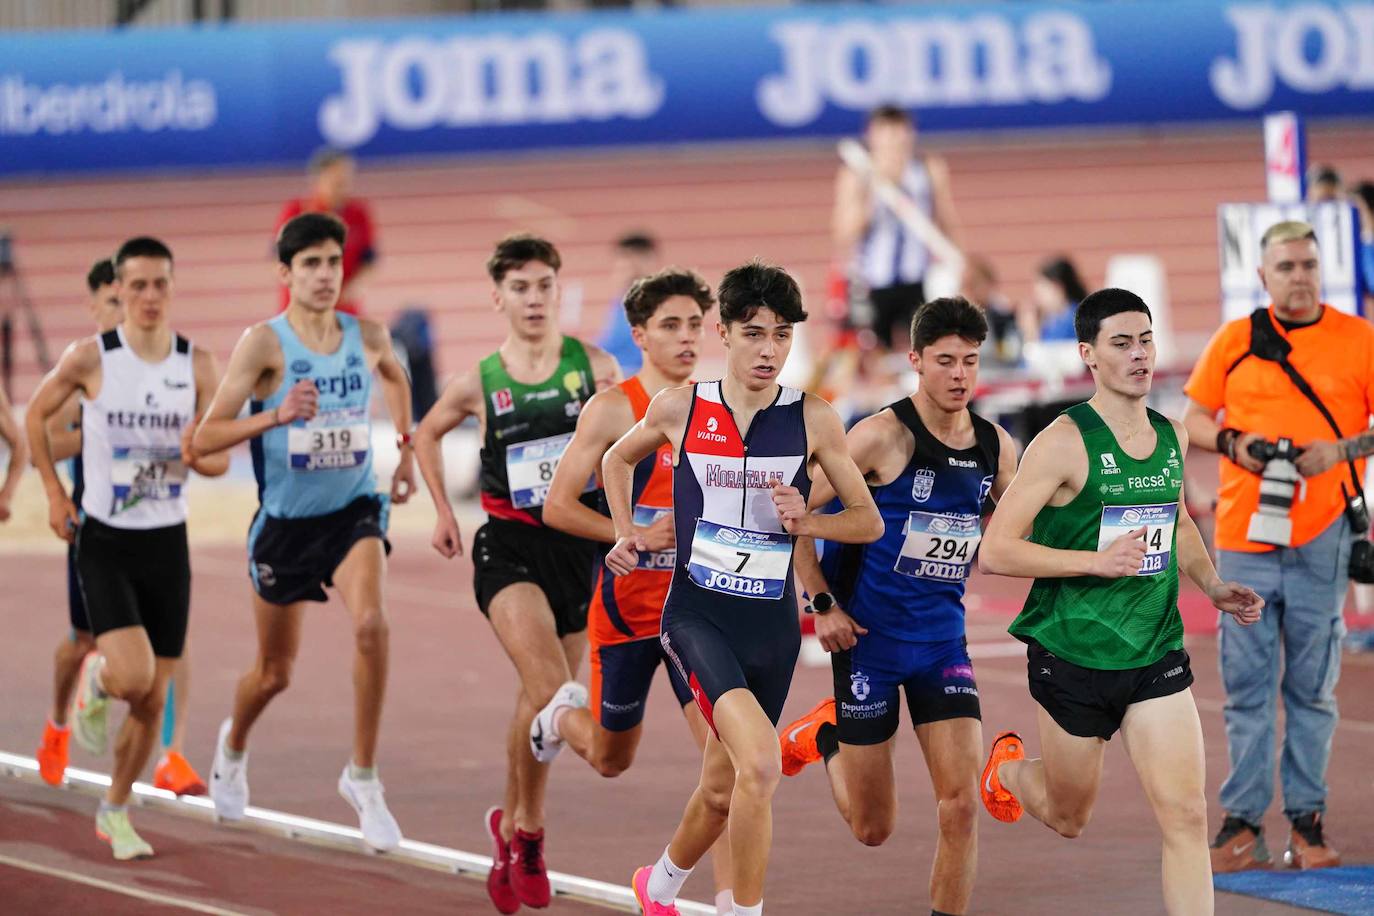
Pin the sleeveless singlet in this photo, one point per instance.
(890, 253)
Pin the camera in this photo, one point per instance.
(1280, 482)
(1361, 567)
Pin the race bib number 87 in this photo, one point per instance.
(740, 561)
(1158, 521)
(530, 466)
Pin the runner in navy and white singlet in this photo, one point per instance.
(320, 522)
(142, 386)
(896, 619)
(745, 448)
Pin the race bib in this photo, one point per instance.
(661, 560)
(739, 561)
(146, 472)
(333, 439)
(530, 466)
(939, 546)
(1159, 532)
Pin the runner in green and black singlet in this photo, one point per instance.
(1096, 516)
(532, 582)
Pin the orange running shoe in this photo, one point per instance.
(53, 755)
(175, 774)
(1000, 803)
(799, 738)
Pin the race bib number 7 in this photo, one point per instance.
(333, 439)
(740, 561)
(1158, 521)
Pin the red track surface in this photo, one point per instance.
(1018, 200)
(450, 692)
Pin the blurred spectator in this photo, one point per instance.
(888, 258)
(636, 255)
(331, 174)
(1362, 196)
(413, 340)
(1057, 291)
(1003, 345)
(1324, 183)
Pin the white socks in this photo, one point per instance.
(666, 880)
(725, 903)
(755, 910)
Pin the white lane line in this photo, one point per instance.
(135, 892)
(336, 836)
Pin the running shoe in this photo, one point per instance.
(175, 774)
(380, 830)
(1239, 846)
(54, 753)
(647, 905)
(228, 779)
(799, 738)
(498, 879)
(545, 742)
(89, 708)
(1000, 803)
(528, 876)
(114, 828)
(1307, 848)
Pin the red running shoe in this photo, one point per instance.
(528, 877)
(498, 879)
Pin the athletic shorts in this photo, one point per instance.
(714, 656)
(893, 308)
(937, 677)
(76, 602)
(622, 674)
(293, 559)
(136, 578)
(505, 553)
(1090, 702)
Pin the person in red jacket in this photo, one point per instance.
(332, 174)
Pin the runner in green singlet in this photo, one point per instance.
(1096, 516)
(532, 582)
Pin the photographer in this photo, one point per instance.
(1289, 508)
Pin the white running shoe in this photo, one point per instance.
(380, 830)
(228, 779)
(89, 708)
(545, 742)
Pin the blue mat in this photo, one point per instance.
(1347, 890)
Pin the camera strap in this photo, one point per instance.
(1268, 344)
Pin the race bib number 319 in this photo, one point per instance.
(1158, 522)
(333, 439)
(740, 561)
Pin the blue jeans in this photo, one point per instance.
(1304, 592)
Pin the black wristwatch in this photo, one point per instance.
(820, 603)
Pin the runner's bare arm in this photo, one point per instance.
(461, 398)
(64, 430)
(1006, 464)
(858, 522)
(77, 371)
(1195, 562)
(853, 209)
(222, 427)
(396, 390)
(662, 422)
(605, 419)
(1053, 461)
(605, 369)
(206, 370)
(14, 439)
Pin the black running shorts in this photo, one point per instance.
(136, 578)
(505, 553)
(76, 602)
(293, 559)
(1090, 702)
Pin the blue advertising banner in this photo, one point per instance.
(146, 98)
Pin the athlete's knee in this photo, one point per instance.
(131, 686)
(1070, 824)
(716, 799)
(273, 676)
(872, 829)
(611, 764)
(1184, 815)
(958, 813)
(758, 774)
(370, 632)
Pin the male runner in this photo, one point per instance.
(664, 313)
(141, 385)
(173, 772)
(931, 464)
(321, 521)
(533, 583)
(1096, 515)
(746, 448)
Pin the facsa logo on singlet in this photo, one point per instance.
(502, 402)
(1109, 463)
(709, 433)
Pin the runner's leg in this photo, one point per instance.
(953, 750)
(1058, 788)
(359, 579)
(279, 640)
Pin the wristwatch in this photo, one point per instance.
(820, 603)
(402, 440)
